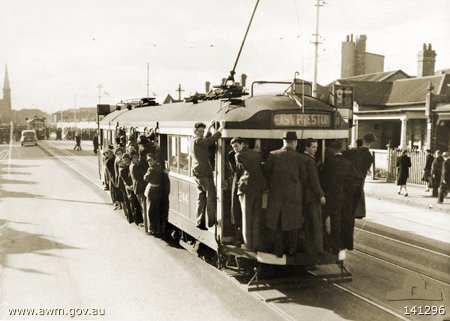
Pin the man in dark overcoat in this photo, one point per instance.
(335, 173)
(314, 199)
(285, 172)
(427, 170)
(445, 177)
(436, 172)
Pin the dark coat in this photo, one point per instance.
(334, 174)
(312, 189)
(137, 173)
(403, 165)
(285, 171)
(445, 176)
(236, 211)
(429, 163)
(252, 179)
(436, 171)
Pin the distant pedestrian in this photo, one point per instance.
(77, 141)
(436, 172)
(427, 170)
(403, 165)
(445, 178)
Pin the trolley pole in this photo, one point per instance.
(319, 3)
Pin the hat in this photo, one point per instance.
(290, 136)
(142, 139)
(446, 154)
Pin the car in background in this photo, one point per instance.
(28, 137)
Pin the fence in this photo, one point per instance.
(418, 160)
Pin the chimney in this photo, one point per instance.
(426, 60)
(207, 86)
(243, 80)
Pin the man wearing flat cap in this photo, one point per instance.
(285, 171)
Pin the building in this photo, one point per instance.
(356, 60)
(401, 110)
(20, 117)
(5, 103)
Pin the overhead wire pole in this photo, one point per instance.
(319, 3)
(233, 71)
(99, 93)
(148, 75)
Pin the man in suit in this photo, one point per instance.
(203, 172)
(335, 173)
(285, 171)
(427, 170)
(137, 172)
(436, 172)
(445, 177)
(361, 159)
(251, 185)
(314, 199)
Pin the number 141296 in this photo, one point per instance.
(424, 310)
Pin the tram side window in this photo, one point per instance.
(172, 151)
(184, 155)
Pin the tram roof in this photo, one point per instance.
(210, 110)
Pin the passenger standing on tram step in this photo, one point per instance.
(403, 165)
(116, 181)
(122, 189)
(147, 146)
(445, 177)
(203, 172)
(436, 172)
(313, 201)
(354, 204)
(137, 173)
(251, 185)
(335, 173)
(135, 214)
(154, 194)
(361, 159)
(427, 170)
(286, 174)
(110, 174)
(236, 211)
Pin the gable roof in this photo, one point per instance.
(385, 76)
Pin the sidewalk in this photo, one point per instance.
(417, 197)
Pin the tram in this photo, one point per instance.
(261, 120)
(39, 124)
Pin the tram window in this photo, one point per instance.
(184, 155)
(172, 150)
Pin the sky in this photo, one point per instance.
(58, 52)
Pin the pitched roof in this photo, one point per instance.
(414, 90)
(386, 76)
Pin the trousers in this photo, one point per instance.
(291, 236)
(206, 201)
(443, 190)
(251, 205)
(313, 228)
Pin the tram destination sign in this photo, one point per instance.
(291, 120)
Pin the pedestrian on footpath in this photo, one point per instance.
(445, 177)
(436, 172)
(427, 170)
(77, 141)
(202, 171)
(95, 142)
(403, 165)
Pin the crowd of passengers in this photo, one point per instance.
(307, 201)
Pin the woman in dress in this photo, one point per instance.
(403, 165)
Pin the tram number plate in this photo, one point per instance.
(285, 120)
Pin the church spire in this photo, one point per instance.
(6, 81)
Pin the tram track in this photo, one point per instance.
(374, 302)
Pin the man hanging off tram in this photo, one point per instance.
(202, 171)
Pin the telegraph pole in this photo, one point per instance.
(100, 86)
(148, 75)
(179, 91)
(319, 3)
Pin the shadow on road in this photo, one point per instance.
(13, 241)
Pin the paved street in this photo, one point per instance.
(62, 246)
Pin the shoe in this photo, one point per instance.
(398, 193)
(439, 202)
(406, 194)
(427, 190)
(202, 226)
